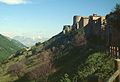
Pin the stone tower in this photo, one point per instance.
(84, 22)
(76, 20)
(66, 29)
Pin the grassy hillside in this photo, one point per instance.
(68, 54)
(76, 56)
(8, 46)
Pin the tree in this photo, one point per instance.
(114, 17)
(113, 22)
(37, 44)
(41, 72)
(16, 69)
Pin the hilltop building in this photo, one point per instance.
(94, 23)
(67, 28)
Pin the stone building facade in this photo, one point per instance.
(67, 28)
(94, 23)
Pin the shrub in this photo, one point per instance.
(65, 78)
(41, 72)
(16, 69)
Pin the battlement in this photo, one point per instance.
(84, 17)
(93, 21)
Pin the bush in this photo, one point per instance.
(41, 72)
(16, 69)
(97, 64)
(65, 78)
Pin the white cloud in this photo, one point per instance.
(14, 2)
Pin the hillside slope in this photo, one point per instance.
(70, 54)
(8, 46)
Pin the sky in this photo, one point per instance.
(45, 18)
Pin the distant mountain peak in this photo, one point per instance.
(29, 41)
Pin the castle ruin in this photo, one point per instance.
(67, 28)
(95, 23)
(100, 27)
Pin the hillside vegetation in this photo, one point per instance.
(59, 56)
(8, 47)
(70, 57)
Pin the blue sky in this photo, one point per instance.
(46, 18)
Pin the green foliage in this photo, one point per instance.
(97, 64)
(65, 78)
(8, 47)
(117, 7)
(113, 20)
(20, 52)
(114, 17)
(80, 62)
(37, 44)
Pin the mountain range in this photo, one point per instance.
(28, 41)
